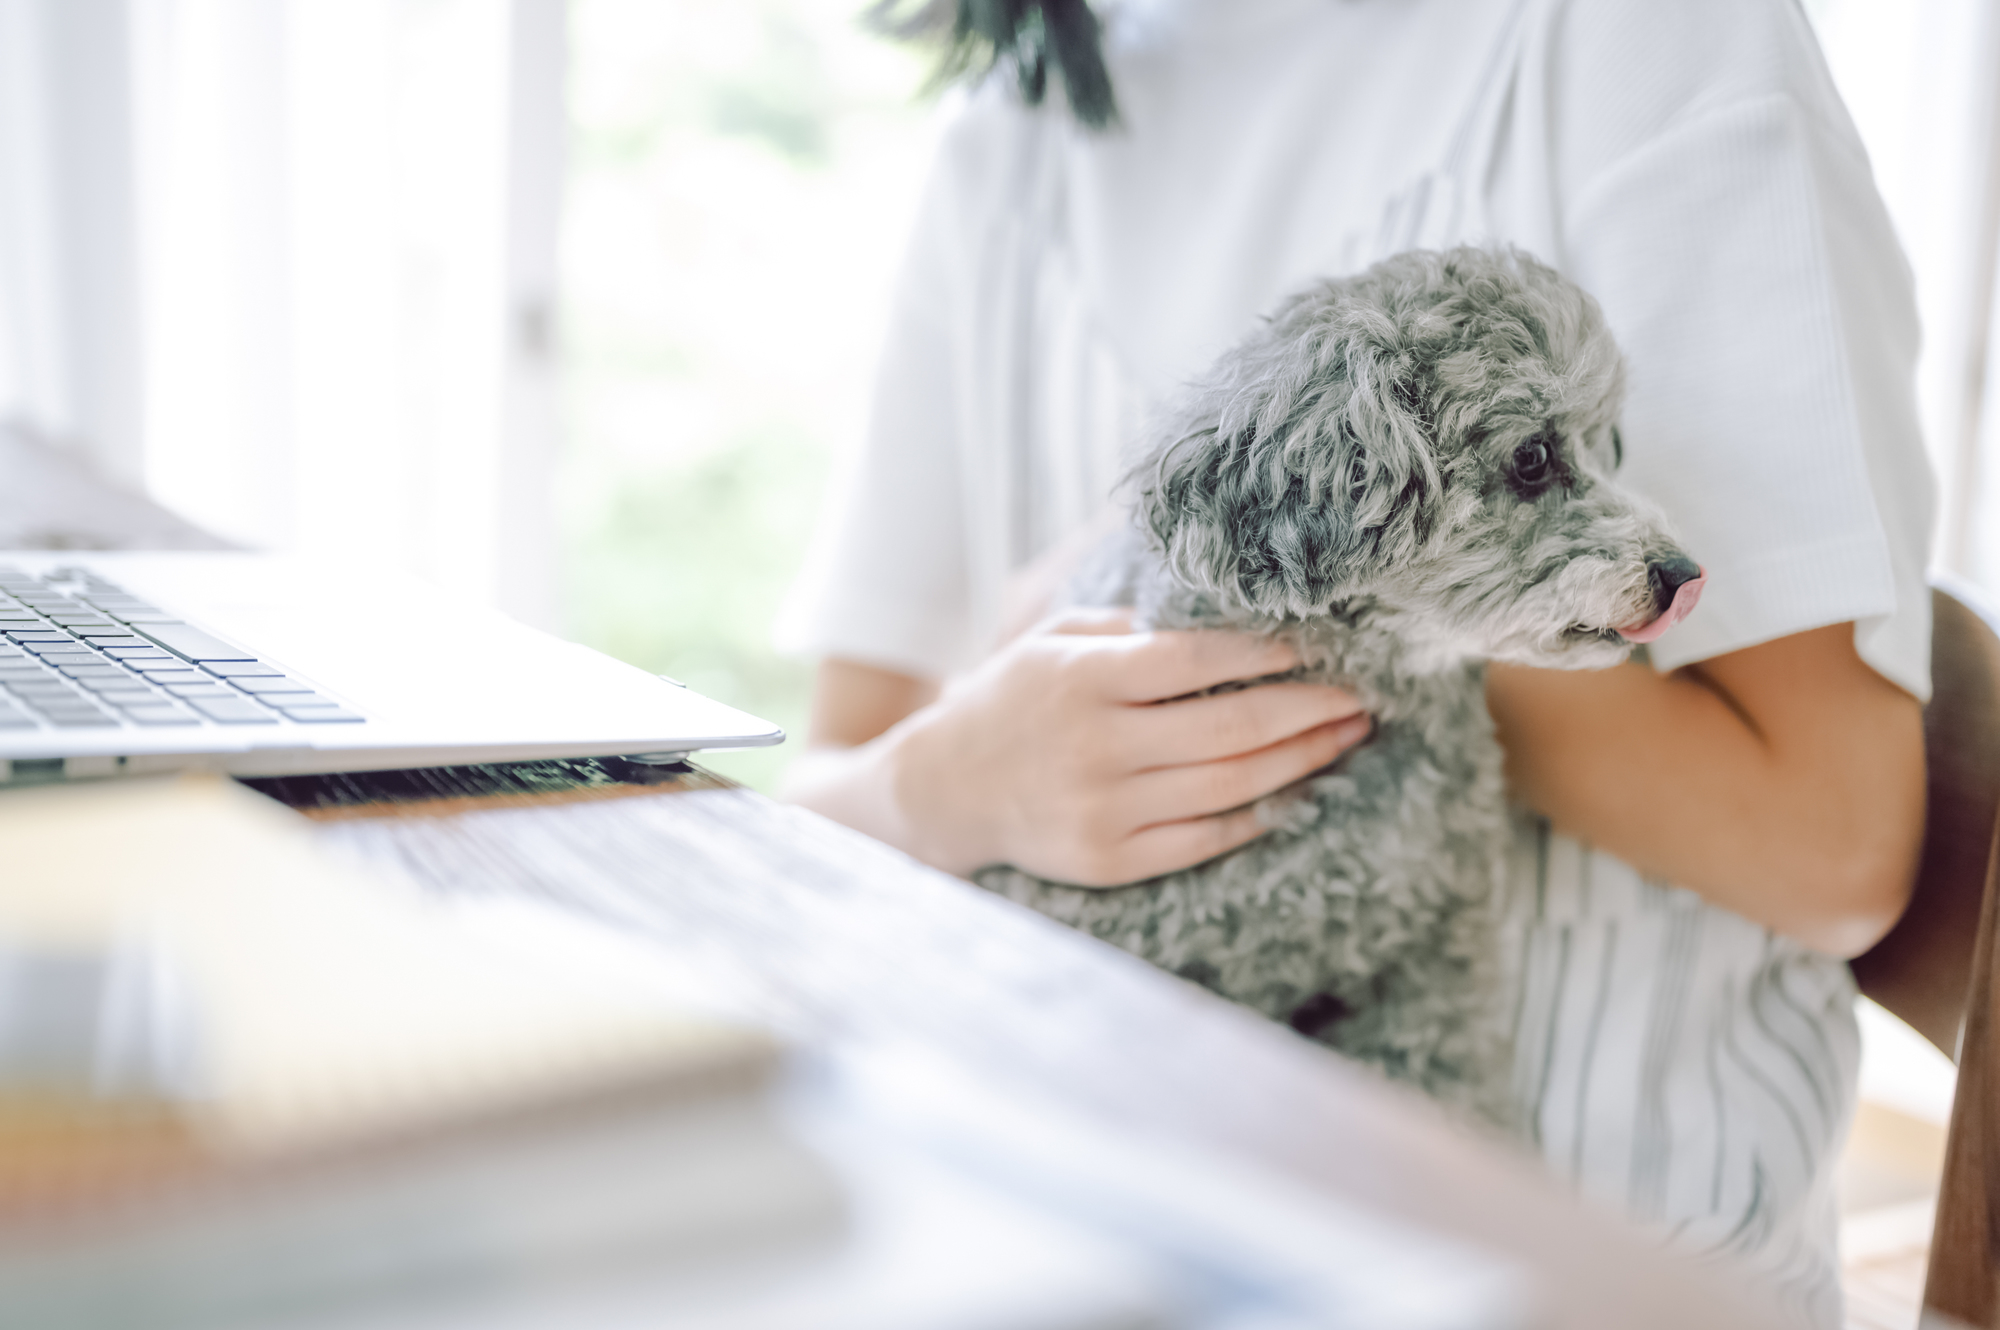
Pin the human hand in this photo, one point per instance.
(1075, 753)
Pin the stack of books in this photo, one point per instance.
(242, 1081)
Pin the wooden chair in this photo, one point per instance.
(1935, 969)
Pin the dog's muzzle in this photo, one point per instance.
(1676, 584)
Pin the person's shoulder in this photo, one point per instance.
(1623, 74)
(1736, 39)
(1645, 67)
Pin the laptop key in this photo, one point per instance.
(191, 642)
(78, 721)
(172, 676)
(67, 660)
(51, 702)
(233, 711)
(321, 715)
(131, 697)
(115, 683)
(12, 718)
(165, 714)
(208, 690)
(133, 655)
(239, 669)
(270, 684)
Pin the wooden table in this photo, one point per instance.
(838, 943)
(835, 941)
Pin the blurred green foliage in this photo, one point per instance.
(740, 172)
(682, 570)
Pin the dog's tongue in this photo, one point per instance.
(1686, 597)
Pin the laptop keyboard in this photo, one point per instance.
(77, 652)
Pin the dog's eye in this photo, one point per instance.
(1534, 463)
(1617, 448)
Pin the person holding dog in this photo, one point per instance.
(1712, 831)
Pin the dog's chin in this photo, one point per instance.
(1575, 647)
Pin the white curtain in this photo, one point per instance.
(288, 265)
(69, 279)
(1922, 78)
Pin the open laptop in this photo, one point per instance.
(261, 665)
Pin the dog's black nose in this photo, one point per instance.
(1666, 576)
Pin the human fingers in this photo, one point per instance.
(1173, 794)
(1170, 846)
(1224, 725)
(1150, 667)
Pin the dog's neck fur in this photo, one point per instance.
(1362, 642)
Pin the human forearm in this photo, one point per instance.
(1784, 782)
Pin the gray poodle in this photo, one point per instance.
(1407, 473)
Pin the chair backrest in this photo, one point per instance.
(1935, 968)
(1923, 969)
(1964, 1275)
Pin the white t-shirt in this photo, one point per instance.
(1690, 165)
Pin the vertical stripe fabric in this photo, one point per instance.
(1681, 1063)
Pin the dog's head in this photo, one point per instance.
(1438, 434)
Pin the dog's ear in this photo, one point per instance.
(1330, 480)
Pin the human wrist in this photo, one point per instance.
(848, 784)
(918, 768)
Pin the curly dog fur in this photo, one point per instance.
(1406, 473)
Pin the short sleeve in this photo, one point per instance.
(1750, 273)
(884, 578)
